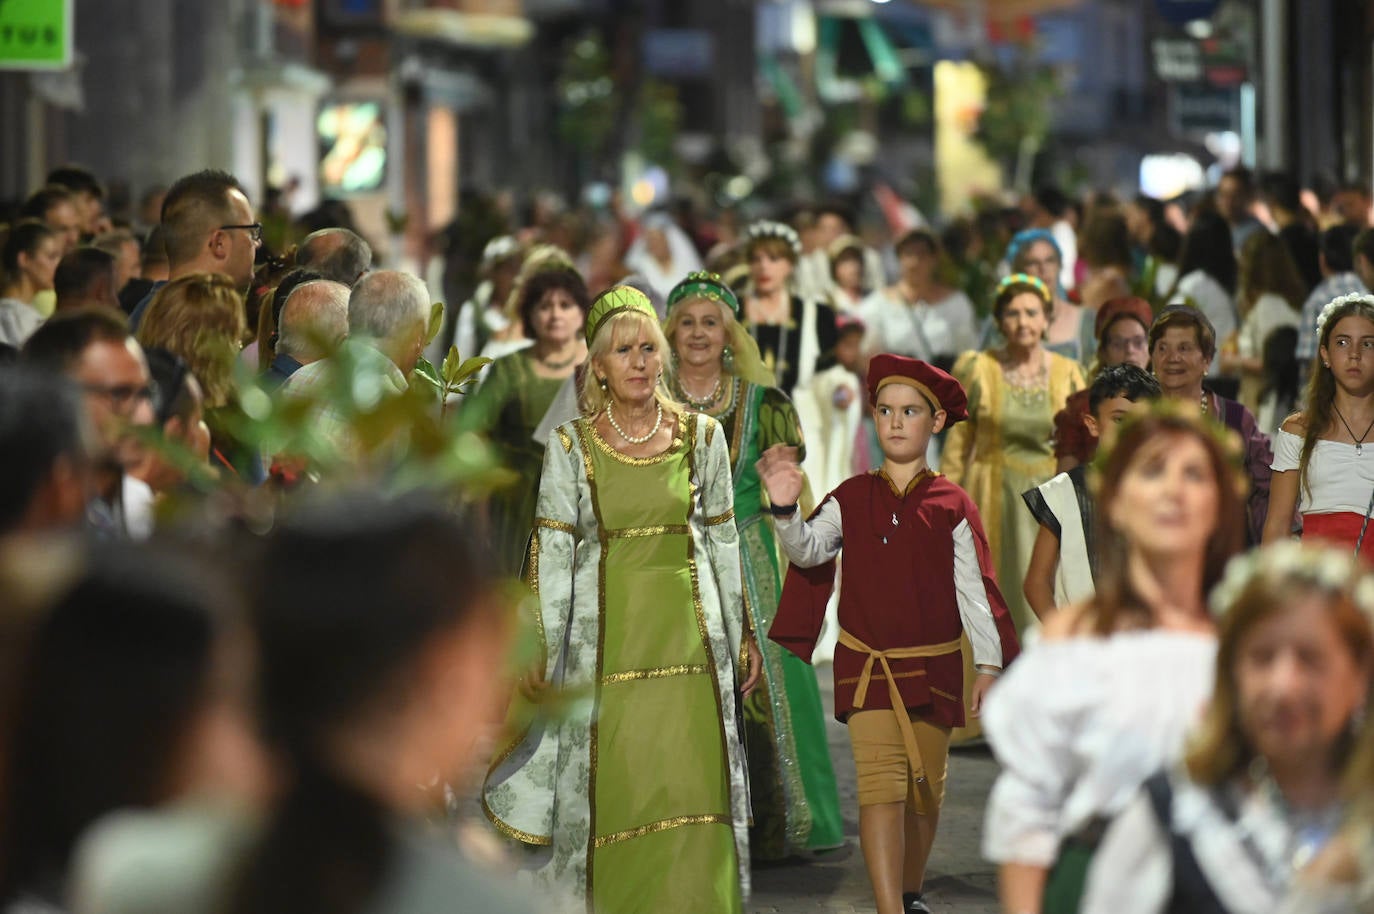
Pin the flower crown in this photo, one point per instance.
(702, 284)
(766, 228)
(1340, 301)
(1024, 279)
(1332, 570)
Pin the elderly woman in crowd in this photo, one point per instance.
(637, 786)
(1258, 794)
(1110, 692)
(716, 370)
(516, 393)
(1182, 344)
(1070, 332)
(1004, 449)
(918, 316)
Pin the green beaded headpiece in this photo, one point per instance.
(704, 285)
(616, 300)
(1025, 279)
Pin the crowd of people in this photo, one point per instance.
(1082, 478)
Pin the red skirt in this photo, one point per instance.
(1341, 530)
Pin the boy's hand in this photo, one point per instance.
(981, 684)
(755, 667)
(780, 474)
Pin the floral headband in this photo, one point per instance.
(1340, 301)
(1027, 280)
(768, 229)
(704, 285)
(1335, 571)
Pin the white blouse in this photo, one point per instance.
(1340, 479)
(919, 331)
(1079, 724)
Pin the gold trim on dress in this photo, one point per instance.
(662, 672)
(565, 439)
(656, 530)
(515, 834)
(609, 450)
(558, 525)
(717, 519)
(711, 431)
(662, 825)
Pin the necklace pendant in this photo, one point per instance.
(884, 541)
(894, 518)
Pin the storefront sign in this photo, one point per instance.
(35, 34)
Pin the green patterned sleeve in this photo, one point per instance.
(779, 423)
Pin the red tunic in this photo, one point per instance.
(898, 592)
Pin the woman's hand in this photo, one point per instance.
(755, 667)
(780, 472)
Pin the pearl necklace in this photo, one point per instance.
(610, 417)
(702, 402)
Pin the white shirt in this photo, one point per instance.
(1269, 313)
(18, 321)
(1339, 479)
(1213, 301)
(817, 541)
(920, 331)
(1078, 725)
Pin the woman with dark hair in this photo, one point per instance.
(796, 336)
(918, 316)
(1258, 793)
(28, 262)
(1004, 448)
(1207, 274)
(1271, 298)
(1108, 695)
(1318, 453)
(1105, 252)
(517, 392)
(179, 414)
(129, 695)
(382, 642)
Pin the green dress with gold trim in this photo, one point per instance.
(791, 778)
(633, 785)
(507, 407)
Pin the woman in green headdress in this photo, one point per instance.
(716, 370)
(629, 782)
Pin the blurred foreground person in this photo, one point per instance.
(1258, 794)
(382, 646)
(1108, 695)
(130, 694)
(634, 795)
(45, 451)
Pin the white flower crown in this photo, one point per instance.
(766, 228)
(1329, 569)
(1350, 298)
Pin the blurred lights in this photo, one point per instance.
(1167, 175)
(739, 187)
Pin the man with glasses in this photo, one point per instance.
(208, 227)
(93, 348)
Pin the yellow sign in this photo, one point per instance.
(35, 34)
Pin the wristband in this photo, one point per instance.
(782, 510)
(990, 670)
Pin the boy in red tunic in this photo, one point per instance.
(917, 575)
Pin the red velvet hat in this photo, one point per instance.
(937, 386)
(1123, 306)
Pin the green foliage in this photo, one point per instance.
(586, 97)
(1019, 108)
(660, 118)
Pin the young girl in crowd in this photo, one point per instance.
(1320, 466)
(917, 573)
(1258, 794)
(1109, 694)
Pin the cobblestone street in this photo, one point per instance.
(958, 878)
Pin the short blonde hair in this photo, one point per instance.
(618, 330)
(200, 318)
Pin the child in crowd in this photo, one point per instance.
(917, 574)
(1063, 561)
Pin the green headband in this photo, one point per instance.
(616, 300)
(1025, 279)
(704, 285)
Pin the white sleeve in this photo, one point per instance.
(1132, 870)
(975, 611)
(963, 322)
(808, 543)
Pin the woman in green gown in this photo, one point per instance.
(627, 779)
(716, 370)
(516, 393)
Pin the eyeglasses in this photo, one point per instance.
(254, 230)
(123, 396)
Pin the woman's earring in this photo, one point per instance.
(601, 379)
(727, 359)
(674, 357)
